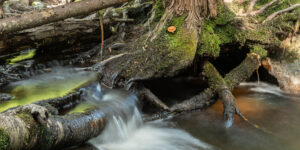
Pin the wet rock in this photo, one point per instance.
(5, 97)
(286, 73)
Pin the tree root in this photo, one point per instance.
(222, 87)
(153, 99)
(233, 78)
(281, 12)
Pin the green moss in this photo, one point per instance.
(166, 54)
(217, 32)
(36, 130)
(259, 49)
(182, 43)
(4, 140)
(159, 10)
(81, 108)
(225, 16)
(227, 33)
(23, 56)
(29, 121)
(209, 41)
(214, 77)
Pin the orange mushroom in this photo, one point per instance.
(171, 29)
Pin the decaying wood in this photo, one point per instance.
(234, 77)
(38, 18)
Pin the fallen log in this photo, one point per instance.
(41, 17)
(33, 126)
(51, 34)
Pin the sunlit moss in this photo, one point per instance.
(81, 108)
(4, 140)
(259, 49)
(23, 56)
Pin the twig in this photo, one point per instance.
(280, 12)
(102, 38)
(261, 10)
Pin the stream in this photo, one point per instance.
(264, 104)
(276, 113)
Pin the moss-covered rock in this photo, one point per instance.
(4, 140)
(259, 49)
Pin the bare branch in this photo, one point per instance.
(280, 12)
(262, 9)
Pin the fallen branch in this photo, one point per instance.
(280, 12)
(37, 18)
(153, 99)
(263, 8)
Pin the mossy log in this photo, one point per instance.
(22, 130)
(38, 126)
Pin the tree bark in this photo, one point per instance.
(37, 18)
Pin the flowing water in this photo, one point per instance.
(266, 105)
(127, 131)
(57, 83)
(263, 104)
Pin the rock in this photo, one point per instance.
(287, 74)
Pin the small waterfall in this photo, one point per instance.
(126, 130)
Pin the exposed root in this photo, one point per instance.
(262, 9)
(281, 12)
(152, 98)
(217, 82)
(199, 101)
(251, 5)
(234, 77)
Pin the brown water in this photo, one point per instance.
(262, 104)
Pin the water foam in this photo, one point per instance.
(129, 132)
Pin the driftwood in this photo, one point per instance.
(38, 18)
